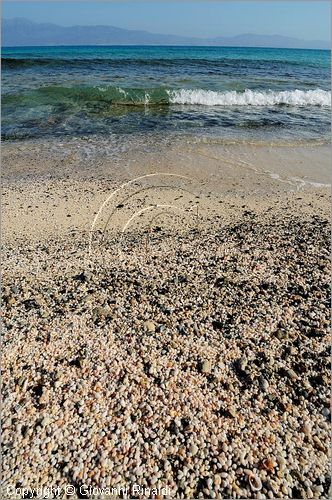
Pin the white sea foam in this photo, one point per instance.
(316, 97)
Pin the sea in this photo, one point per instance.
(214, 92)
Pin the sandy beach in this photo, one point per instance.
(173, 334)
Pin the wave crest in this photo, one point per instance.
(103, 97)
(316, 97)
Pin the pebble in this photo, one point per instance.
(264, 383)
(149, 326)
(193, 450)
(281, 334)
(99, 313)
(217, 480)
(291, 374)
(206, 367)
(243, 363)
(46, 421)
(10, 300)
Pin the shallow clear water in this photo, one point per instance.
(211, 91)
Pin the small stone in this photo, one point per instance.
(242, 363)
(217, 480)
(45, 421)
(306, 384)
(291, 374)
(50, 447)
(305, 429)
(232, 412)
(193, 450)
(281, 462)
(99, 313)
(10, 300)
(319, 444)
(149, 326)
(205, 366)
(45, 396)
(40, 302)
(263, 383)
(182, 330)
(81, 361)
(281, 334)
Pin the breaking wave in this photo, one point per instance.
(316, 97)
(102, 98)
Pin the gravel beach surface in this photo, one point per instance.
(194, 359)
(171, 339)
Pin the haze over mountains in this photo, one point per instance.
(23, 32)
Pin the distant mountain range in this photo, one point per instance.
(23, 32)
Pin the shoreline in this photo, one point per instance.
(52, 157)
(56, 187)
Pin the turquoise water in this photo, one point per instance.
(225, 92)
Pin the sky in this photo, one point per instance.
(308, 20)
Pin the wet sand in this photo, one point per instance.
(55, 187)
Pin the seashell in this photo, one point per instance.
(267, 464)
(255, 482)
